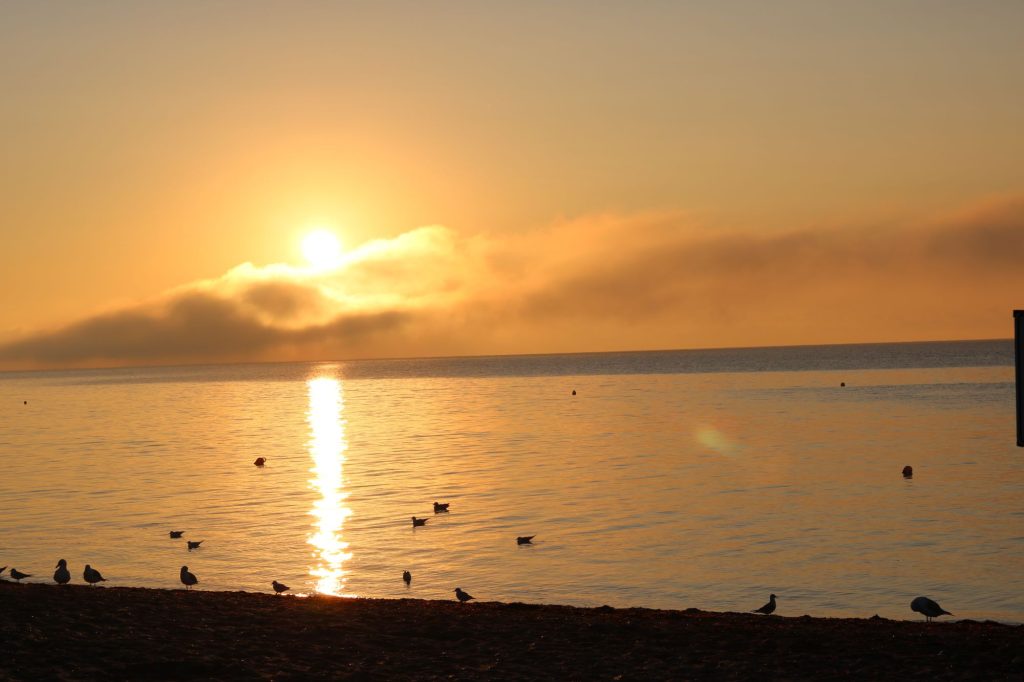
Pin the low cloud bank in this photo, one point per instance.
(596, 283)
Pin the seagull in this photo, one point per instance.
(922, 605)
(407, 577)
(175, 534)
(62, 576)
(768, 608)
(439, 507)
(260, 461)
(278, 587)
(463, 596)
(18, 575)
(188, 579)
(92, 576)
(418, 522)
(194, 545)
(525, 539)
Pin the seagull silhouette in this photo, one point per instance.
(418, 522)
(439, 507)
(92, 576)
(260, 461)
(188, 579)
(18, 575)
(407, 577)
(463, 596)
(525, 539)
(62, 576)
(768, 608)
(194, 545)
(176, 533)
(279, 587)
(928, 608)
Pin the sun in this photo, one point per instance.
(322, 249)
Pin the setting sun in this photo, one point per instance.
(321, 249)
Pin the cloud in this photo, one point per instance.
(658, 280)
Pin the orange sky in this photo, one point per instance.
(591, 177)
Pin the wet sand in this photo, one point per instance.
(77, 632)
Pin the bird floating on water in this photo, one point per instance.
(279, 587)
(62, 576)
(525, 539)
(463, 596)
(407, 577)
(768, 608)
(928, 608)
(188, 579)
(18, 575)
(418, 522)
(908, 471)
(176, 533)
(194, 544)
(260, 461)
(439, 507)
(92, 576)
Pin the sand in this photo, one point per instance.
(78, 632)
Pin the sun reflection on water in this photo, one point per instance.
(327, 446)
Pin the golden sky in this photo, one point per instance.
(504, 178)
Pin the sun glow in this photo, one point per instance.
(321, 249)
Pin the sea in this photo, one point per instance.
(703, 479)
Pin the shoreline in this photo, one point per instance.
(80, 632)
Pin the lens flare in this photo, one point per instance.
(713, 439)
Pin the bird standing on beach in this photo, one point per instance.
(188, 579)
(525, 539)
(928, 608)
(463, 596)
(418, 522)
(175, 534)
(768, 608)
(279, 587)
(194, 545)
(92, 576)
(18, 575)
(62, 576)
(441, 507)
(407, 577)
(260, 461)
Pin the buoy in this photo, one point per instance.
(908, 471)
(574, 391)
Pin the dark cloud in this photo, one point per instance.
(194, 326)
(284, 301)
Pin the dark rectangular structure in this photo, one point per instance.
(1018, 363)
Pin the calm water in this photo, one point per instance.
(672, 479)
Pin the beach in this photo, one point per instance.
(78, 632)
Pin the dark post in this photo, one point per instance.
(1018, 362)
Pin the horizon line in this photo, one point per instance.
(491, 355)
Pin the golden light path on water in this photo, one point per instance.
(327, 446)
